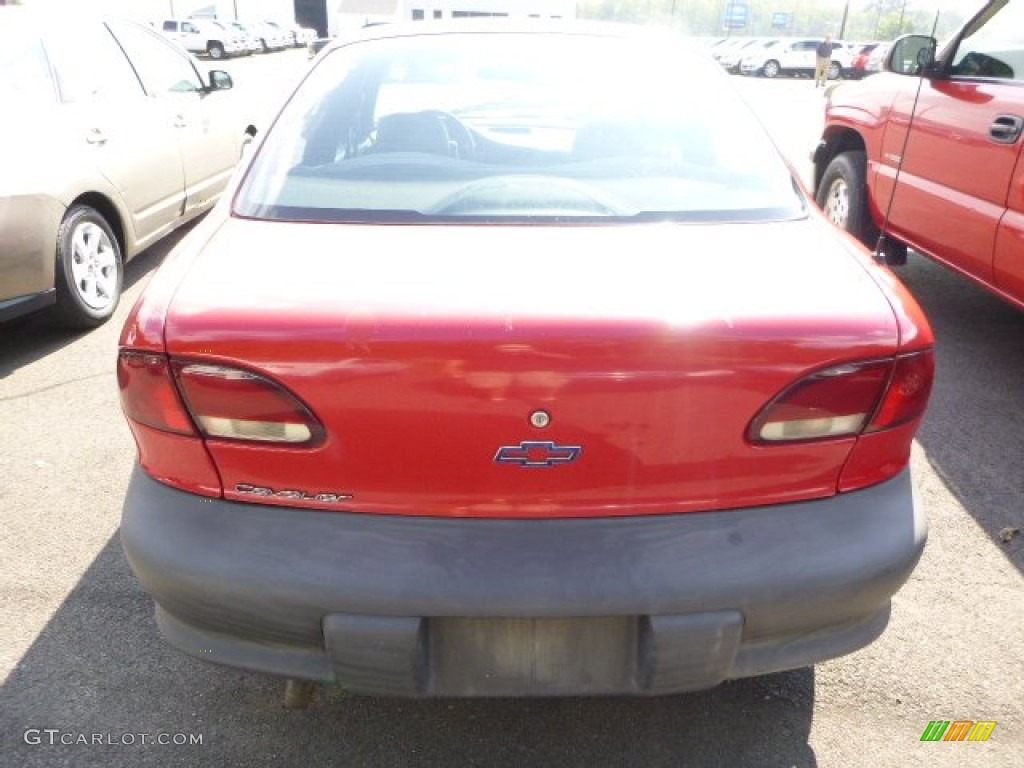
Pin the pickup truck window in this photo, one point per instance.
(994, 50)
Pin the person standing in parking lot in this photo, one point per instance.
(822, 59)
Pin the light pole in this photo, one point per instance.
(842, 24)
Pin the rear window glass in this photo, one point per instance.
(502, 126)
(24, 72)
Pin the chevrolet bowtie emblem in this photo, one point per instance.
(537, 454)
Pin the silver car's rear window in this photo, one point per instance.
(24, 71)
(509, 126)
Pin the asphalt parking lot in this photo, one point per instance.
(88, 681)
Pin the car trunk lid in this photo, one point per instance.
(541, 371)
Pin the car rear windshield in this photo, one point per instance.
(506, 126)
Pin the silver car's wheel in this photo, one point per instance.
(89, 271)
(771, 69)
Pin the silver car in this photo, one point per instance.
(111, 140)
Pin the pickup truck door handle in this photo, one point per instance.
(180, 121)
(1006, 129)
(96, 136)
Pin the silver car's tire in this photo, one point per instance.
(89, 270)
(771, 68)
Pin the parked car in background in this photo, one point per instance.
(876, 59)
(253, 44)
(111, 139)
(860, 68)
(730, 60)
(204, 36)
(752, 62)
(303, 35)
(270, 37)
(949, 185)
(286, 32)
(298, 37)
(494, 379)
(796, 57)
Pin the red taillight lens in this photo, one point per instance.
(908, 391)
(835, 402)
(235, 404)
(148, 394)
(846, 400)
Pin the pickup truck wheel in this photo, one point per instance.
(88, 270)
(842, 195)
(771, 68)
(216, 50)
(834, 70)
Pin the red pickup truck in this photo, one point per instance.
(928, 152)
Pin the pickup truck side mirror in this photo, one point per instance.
(912, 55)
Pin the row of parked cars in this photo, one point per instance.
(220, 38)
(778, 56)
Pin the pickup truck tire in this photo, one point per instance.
(834, 70)
(842, 195)
(770, 68)
(215, 49)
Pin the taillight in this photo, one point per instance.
(235, 404)
(172, 404)
(148, 394)
(847, 400)
(170, 450)
(908, 392)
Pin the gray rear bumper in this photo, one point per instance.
(429, 606)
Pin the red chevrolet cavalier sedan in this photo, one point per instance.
(516, 362)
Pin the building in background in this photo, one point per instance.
(328, 17)
(346, 16)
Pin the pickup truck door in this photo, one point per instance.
(959, 160)
(1008, 262)
(955, 175)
